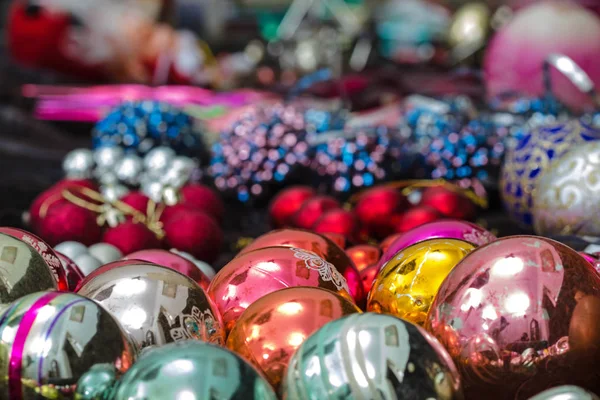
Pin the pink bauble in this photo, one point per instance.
(257, 273)
(520, 315)
(449, 229)
(514, 58)
(173, 261)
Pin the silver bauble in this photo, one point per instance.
(129, 168)
(107, 157)
(79, 164)
(565, 200)
(158, 158)
(566, 392)
(71, 249)
(87, 263)
(154, 190)
(155, 304)
(112, 193)
(105, 252)
(106, 176)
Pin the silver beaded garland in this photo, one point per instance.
(79, 164)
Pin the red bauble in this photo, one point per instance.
(202, 198)
(287, 203)
(130, 236)
(375, 207)
(338, 221)
(170, 211)
(137, 200)
(416, 217)
(449, 203)
(196, 233)
(312, 210)
(66, 221)
(364, 255)
(336, 238)
(385, 243)
(51, 196)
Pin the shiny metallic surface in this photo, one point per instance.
(449, 229)
(566, 392)
(50, 339)
(407, 284)
(272, 328)
(174, 261)
(155, 304)
(107, 157)
(79, 164)
(72, 271)
(22, 270)
(323, 246)
(469, 29)
(192, 370)
(158, 159)
(593, 259)
(113, 192)
(518, 316)
(371, 356)
(567, 192)
(105, 252)
(44, 250)
(255, 274)
(129, 168)
(363, 255)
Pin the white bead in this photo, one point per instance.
(71, 249)
(129, 168)
(87, 264)
(107, 157)
(105, 252)
(158, 158)
(154, 190)
(79, 164)
(113, 192)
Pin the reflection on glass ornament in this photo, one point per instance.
(272, 328)
(192, 370)
(565, 199)
(155, 304)
(22, 270)
(51, 339)
(251, 276)
(318, 244)
(566, 392)
(140, 126)
(525, 164)
(371, 356)
(407, 284)
(519, 315)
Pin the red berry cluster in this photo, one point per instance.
(377, 214)
(192, 225)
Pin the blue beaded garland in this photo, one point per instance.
(139, 126)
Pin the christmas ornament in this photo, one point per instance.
(50, 339)
(72, 271)
(358, 157)
(339, 221)
(368, 355)
(318, 244)
(130, 236)
(368, 276)
(286, 203)
(174, 261)
(203, 198)
(363, 255)
(385, 244)
(313, 209)
(254, 274)
(23, 270)
(44, 250)
(448, 229)
(96, 383)
(566, 392)
(155, 304)
(190, 369)
(449, 203)
(140, 126)
(66, 221)
(469, 29)
(194, 232)
(558, 27)
(260, 150)
(534, 154)
(336, 238)
(87, 263)
(206, 269)
(78, 164)
(272, 328)
(593, 259)
(375, 206)
(562, 201)
(72, 249)
(408, 283)
(104, 252)
(520, 315)
(415, 217)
